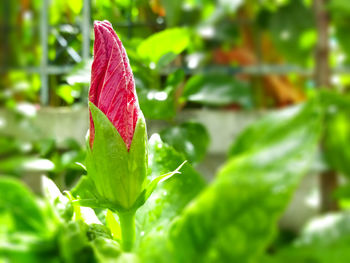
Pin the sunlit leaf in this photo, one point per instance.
(256, 187)
(174, 40)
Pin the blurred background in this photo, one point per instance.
(204, 71)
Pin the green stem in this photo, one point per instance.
(127, 225)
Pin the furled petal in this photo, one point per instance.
(112, 83)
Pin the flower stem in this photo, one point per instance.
(127, 225)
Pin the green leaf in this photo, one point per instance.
(16, 199)
(172, 11)
(174, 40)
(160, 104)
(324, 239)
(118, 174)
(235, 217)
(66, 93)
(287, 26)
(337, 142)
(156, 104)
(270, 130)
(217, 90)
(189, 138)
(168, 199)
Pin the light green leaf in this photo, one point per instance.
(167, 200)
(270, 130)
(16, 199)
(174, 40)
(113, 225)
(235, 217)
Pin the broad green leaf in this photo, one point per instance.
(270, 130)
(17, 200)
(235, 217)
(169, 197)
(174, 40)
(217, 90)
(190, 138)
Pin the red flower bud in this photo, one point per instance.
(112, 83)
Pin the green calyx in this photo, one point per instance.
(117, 174)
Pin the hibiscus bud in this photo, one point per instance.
(117, 151)
(112, 83)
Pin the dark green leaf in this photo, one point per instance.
(217, 90)
(189, 138)
(287, 26)
(157, 104)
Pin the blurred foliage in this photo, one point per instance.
(217, 90)
(19, 158)
(183, 213)
(162, 36)
(184, 54)
(265, 165)
(324, 239)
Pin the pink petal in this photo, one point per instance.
(112, 83)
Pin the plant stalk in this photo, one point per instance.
(127, 225)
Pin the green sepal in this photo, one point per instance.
(146, 193)
(117, 174)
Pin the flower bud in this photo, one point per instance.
(117, 151)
